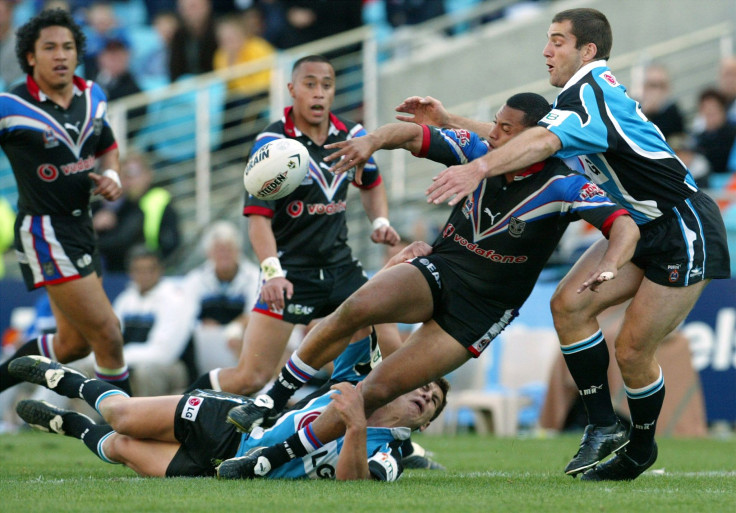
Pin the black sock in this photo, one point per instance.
(292, 377)
(289, 449)
(203, 383)
(92, 390)
(406, 448)
(93, 436)
(587, 361)
(644, 404)
(27, 349)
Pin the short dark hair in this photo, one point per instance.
(310, 58)
(711, 93)
(141, 251)
(589, 26)
(533, 105)
(28, 34)
(445, 387)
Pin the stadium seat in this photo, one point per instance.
(505, 387)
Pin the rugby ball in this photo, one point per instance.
(276, 169)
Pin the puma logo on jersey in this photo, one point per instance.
(493, 216)
(74, 127)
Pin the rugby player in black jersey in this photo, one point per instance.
(54, 130)
(468, 286)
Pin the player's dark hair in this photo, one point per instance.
(310, 58)
(589, 26)
(445, 387)
(28, 34)
(533, 105)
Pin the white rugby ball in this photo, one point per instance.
(276, 169)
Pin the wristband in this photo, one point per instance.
(271, 268)
(380, 222)
(113, 175)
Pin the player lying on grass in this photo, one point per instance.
(187, 435)
(466, 287)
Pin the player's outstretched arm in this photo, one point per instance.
(430, 111)
(455, 183)
(622, 241)
(356, 152)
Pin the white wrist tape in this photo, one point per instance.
(380, 222)
(113, 175)
(271, 268)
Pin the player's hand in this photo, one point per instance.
(349, 404)
(601, 275)
(424, 111)
(351, 154)
(385, 235)
(455, 183)
(413, 250)
(274, 291)
(105, 187)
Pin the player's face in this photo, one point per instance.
(563, 59)
(508, 123)
(54, 58)
(313, 91)
(418, 406)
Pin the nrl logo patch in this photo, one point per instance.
(48, 268)
(516, 227)
(608, 77)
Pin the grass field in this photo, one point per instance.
(50, 473)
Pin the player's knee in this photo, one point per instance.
(251, 381)
(353, 312)
(630, 357)
(118, 414)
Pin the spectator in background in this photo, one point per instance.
(716, 139)
(239, 42)
(156, 65)
(657, 104)
(305, 21)
(144, 215)
(412, 12)
(727, 85)
(225, 288)
(102, 27)
(157, 320)
(194, 43)
(699, 166)
(10, 70)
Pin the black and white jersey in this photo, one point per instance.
(52, 149)
(499, 239)
(309, 224)
(605, 135)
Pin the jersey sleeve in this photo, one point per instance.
(577, 121)
(107, 140)
(589, 202)
(385, 463)
(451, 147)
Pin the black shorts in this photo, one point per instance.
(471, 319)
(55, 249)
(317, 292)
(686, 245)
(206, 439)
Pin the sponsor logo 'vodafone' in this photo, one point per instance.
(485, 253)
(296, 208)
(49, 172)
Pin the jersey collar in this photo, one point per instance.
(79, 86)
(584, 71)
(290, 129)
(533, 169)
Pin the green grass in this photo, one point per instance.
(50, 473)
